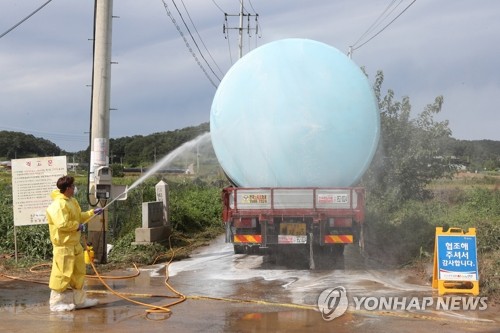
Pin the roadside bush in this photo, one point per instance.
(195, 212)
(125, 252)
(489, 274)
(480, 208)
(126, 215)
(32, 241)
(400, 236)
(6, 219)
(195, 207)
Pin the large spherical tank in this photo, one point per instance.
(294, 113)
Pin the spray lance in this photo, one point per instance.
(99, 211)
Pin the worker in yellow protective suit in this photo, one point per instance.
(65, 219)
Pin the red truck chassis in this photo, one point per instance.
(269, 217)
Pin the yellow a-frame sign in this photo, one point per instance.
(455, 262)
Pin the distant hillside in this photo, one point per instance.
(19, 145)
(141, 150)
(144, 150)
(475, 154)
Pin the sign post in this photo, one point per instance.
(455, 262)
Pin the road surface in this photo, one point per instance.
(246, 293)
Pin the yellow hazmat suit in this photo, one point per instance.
(68, 267)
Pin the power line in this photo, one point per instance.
(201, 39)
(216, 5)
(381, 30)
(27, 17)
(243, 7)
(240, 28)
(229, 46)
(258, 28)
(251, 5)
(376, 22)
(225, 31)
(169, 13)
(194, 41)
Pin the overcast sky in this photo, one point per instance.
(446, 47)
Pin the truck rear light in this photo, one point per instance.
(340, 222)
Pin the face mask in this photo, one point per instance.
(75, 190)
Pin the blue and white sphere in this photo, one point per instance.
(294, 113)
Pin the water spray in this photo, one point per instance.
(162, 163)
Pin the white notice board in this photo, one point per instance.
(33, 179)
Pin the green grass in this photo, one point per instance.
(400, 236)
(406, 235)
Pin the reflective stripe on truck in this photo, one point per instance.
(247, 239)
(338, 239)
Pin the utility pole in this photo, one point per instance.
(241, 15)
(240, 32)
(99, 174)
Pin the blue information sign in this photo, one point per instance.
(457, 258)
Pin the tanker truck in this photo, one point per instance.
(294, 125)
(321, 220)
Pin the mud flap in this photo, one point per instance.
(311, 253)
(229, 233)
(263, 227)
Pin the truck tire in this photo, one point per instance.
(361, 239)
(239, 249)
(338, 250)
(329, 257)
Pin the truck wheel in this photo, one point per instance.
(328, 257)
(338, 256)
(361, 240)
(339, 262)
(239, 249)
(338, 250)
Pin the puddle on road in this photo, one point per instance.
(289, 321)
(217, 272)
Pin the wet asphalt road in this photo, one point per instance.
(240, 293)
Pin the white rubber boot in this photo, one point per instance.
(61, 301)
(81, 300)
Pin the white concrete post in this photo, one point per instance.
(162, 195)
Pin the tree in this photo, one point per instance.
(409, 155)
(19, 145)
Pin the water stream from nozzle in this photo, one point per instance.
(166, 160)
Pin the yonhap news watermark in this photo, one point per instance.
(333, 303)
